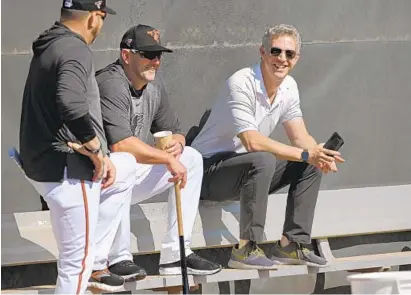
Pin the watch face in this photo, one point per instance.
(304, 156)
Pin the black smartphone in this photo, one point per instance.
(334, 143)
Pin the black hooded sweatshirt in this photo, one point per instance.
(61, 103)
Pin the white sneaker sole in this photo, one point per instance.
(240, 265)
(133, 277)
(291, 261)
(104, 287)
(169, 271)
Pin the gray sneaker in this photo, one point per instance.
(295, 253)
(250, 257)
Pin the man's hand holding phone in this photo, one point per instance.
(321, 156)
(329, 148)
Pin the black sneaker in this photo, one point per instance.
(106, 281)
(128, 270)
(196, 265)
(250, 257)
(295, 253)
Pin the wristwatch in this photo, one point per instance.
(94, 152)
(304, 156)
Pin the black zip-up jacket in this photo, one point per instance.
(61, 103)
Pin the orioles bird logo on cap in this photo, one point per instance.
(155, 34)
(98, 4)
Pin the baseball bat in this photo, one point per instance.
(184, 275)
(162, 139)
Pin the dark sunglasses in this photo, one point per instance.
(148, 54)
(290, 54)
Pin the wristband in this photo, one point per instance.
(94, 152)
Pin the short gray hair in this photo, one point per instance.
(73, 14)
(281, 30)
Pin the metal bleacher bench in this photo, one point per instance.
(28, 237)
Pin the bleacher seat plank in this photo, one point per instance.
(339, 264)
(366, 261)
(28, 237)
(338, 213)
(31, 290)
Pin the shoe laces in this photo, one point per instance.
(302, 250)
(126, 263)
(255, 250)
(195, 257)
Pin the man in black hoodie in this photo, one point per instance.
(64, 150)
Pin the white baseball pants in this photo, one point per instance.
(85, 220)
(150, 181)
